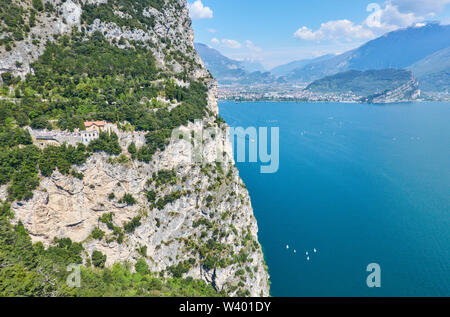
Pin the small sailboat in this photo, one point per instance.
(287, 246)
(315, 251)
(306, 253)
(307, 258)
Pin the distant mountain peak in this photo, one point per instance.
(229, 71)
(396, 49)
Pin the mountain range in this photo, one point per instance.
(374, 86)
(433, 72)
(397, 49)
(424, 50)
(362, 83)
(228, 71)
(287, 69)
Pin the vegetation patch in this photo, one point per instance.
(129, 227)
(128, 199)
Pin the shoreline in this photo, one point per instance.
(340, 102)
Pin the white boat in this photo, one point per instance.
(307, 258)
(315, 250)
(306, 253)
(287, 247)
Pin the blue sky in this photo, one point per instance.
(277, 32)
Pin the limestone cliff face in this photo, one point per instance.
(407, 92)
(206, 211)
(64, 206)
(17, 60)
(171, 32)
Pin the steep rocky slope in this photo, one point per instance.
(387, 51)
(433, 72)
(184, 217)
(164, 32)
(377, 86)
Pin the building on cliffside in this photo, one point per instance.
(44, 138)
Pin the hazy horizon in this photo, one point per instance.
(299, 30)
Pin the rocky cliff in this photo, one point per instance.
(373, 86)
(409, 91)
(179, 214)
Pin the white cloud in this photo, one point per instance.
(419, 25)
(305, 33)
(402, 13)
(388, 19)
(252, 47)
(231, 43)
(198, 11)
(420, 7)
(335, 30)
(393, 15)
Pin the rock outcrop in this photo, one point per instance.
(407, 92)
(372, 86)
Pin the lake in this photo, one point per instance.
(359, 183)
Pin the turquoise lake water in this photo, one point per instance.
(361, 184)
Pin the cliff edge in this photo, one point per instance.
(136, 194)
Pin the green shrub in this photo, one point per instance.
(98, 259)
(9, 79)
(108, 220)
(170, 198)
(141, 266)
(38, 5)
(129, 227)
(128, 199)
(151, 196)
(97, 233)
(108, 143)
(132, 149)
(164, 177)
(181, 268)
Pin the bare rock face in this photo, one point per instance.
(407, 92)
(171, 25)
(64, 206)
(206, 206)
(17, 61)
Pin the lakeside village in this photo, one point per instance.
(263, 94)
(297, 93)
